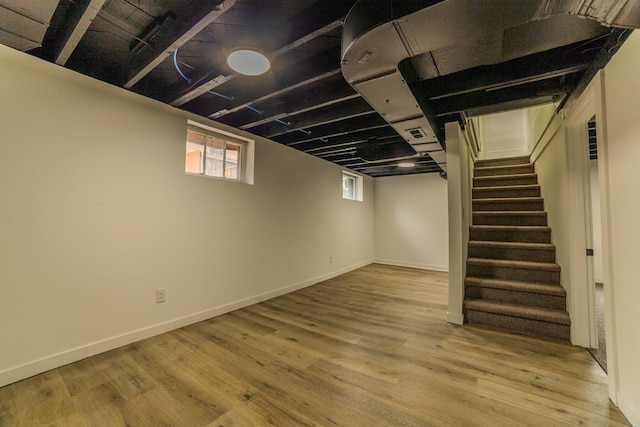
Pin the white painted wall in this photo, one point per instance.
(538, 118)
(551, 167)
(411, 221)
(504, 134)
(622, 156)
(96, 213)
(459, 166)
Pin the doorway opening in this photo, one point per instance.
(599, 351)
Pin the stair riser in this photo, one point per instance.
(516, 297)
(509, 170)
(480, 219)
(511, 236)
(516, 274)
(503, 162)
(512, 254)
(506, 205)
(505, 193)
(506, 181)
(527, 326)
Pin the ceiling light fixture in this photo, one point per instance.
(406, 164)
(248, 61)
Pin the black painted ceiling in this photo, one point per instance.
(304, 101)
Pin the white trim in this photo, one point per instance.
(53, 361)
(629, 409)
(607, 244)
(432, 267)
(458, 194)
(455, 318)
(581, 304)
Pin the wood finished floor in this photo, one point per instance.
(369, 348)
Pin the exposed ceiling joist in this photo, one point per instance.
(333, 129)
(379, 132)
(194, 19)
(319, 67)
(321, 18)
(77, 26)
(475, 100)
(345, 110)
(312, 99)
(511, 73)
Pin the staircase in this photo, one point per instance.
(512, 279)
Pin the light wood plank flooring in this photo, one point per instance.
(369, 348)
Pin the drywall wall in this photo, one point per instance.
(551, 167)
(458, 191)
(411, 221)
(622, 130)
(538, 118)
(97, 213)
(504, 134)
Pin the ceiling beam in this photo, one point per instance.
(75, 28)
(345, 110)
(378, 132)
(315, 69)
(368, 122)
(323, 94)
(327, 148)
(323, 18)
(532, 68)
(198, 14)
(475, 100)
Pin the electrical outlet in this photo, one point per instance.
(330, 259)
(161, 295)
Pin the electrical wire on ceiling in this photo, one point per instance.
(249, 107)
(175, 64)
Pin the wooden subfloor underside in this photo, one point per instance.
(369, 348)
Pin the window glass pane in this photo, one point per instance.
(232, 163)
(348, 187)
(195, 153)
(214, 161)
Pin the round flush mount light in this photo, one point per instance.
(406, 164)
(248, 61)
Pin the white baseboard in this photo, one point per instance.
(629, 409)
(433, 267)
(455, 318)
(53, 361)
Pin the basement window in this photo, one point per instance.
(213, 153)
(351, 186)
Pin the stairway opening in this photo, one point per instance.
(512, 280)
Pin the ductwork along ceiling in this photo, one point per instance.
(363, 84)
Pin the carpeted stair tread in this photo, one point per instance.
(513, 245)
(511, 285)
(547, 266)
(502, 217)
(511, 213)
(520, 160)
(512, 227)
(526, 312)
(503, 170)
(509, 187)
(506, 176)
(512, 278)
(510, 199)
